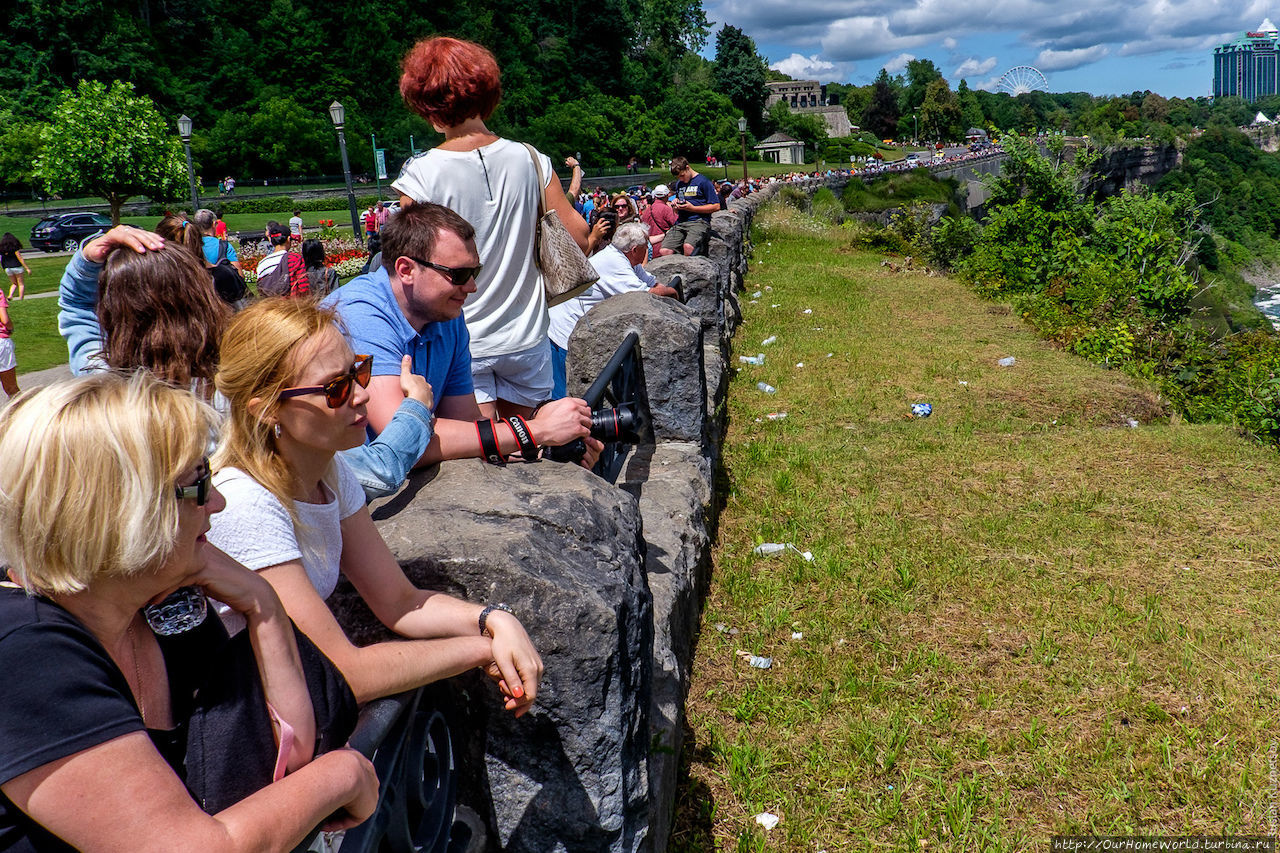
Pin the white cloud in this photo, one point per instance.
(1053, 36)
(863, 38)
(807, 67)
(973, 66)
(898, 63)
(1062, 60)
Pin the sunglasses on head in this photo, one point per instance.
(337, 391)
(200, 488)
(458, 276)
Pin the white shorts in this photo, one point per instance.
(14, 270)
(523, 378)
(8, 361)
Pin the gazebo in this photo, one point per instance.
(780, 148)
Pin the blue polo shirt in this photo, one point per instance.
(374, 325)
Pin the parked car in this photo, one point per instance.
(64, 231)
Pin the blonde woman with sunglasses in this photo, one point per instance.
(296, 514)
(104, 507)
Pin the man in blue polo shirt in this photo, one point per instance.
(412, 305)
(696, 199)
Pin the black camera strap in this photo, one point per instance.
(488, 442)
(524, 437)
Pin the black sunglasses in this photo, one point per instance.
(458, 276)
(337, 391)
(200, 488)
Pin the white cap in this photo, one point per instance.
(661, 189)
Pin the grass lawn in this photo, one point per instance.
(21, 226)
(1023, 616)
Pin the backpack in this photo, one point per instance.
(287, 278)
(227, 280)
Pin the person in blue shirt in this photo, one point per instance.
(412, 306)
(205, 219)
(129, 273)
(695, 199)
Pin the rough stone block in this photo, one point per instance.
(563, 548)
(673, 482)
(671, 344)
(702, 285)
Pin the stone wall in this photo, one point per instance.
(609, 580)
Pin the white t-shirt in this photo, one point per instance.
(270, 262)
(495, 188)
(295, 226)
(617, 275)
(256, 530)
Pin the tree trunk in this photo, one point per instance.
(116, 201)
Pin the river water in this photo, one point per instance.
(1268, 301)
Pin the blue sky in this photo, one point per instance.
(1098, 46)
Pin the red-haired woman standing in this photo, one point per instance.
(493, 184)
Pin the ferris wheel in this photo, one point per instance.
(1022, 79)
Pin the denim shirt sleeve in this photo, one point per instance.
(78, 315)
(384, 462)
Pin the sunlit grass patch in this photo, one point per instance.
(1024, 616)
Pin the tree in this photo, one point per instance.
(970, 107)
(940, 116)
(881, 115)
(740, 74)
(920, 73)
(108, 143)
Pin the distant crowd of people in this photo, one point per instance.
(175, 517)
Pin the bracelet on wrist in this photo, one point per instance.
(484, 617)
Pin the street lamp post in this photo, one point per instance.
(742, 132)
(184, 130)
(915, 130)
(338, 114)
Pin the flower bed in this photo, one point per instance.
(342, 254)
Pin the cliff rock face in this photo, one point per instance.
(1129, 168)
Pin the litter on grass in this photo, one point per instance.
(767, 820)
(777, 416)
(770, 548)
(799, 364)
(725, 629)
(1007, 361)
(769, 340)
(766, 388)
(1133, 424)
(796, 635)
(921, 410)
(756, 295)
(755, 360)
(807, 311)
(756, 660)
(776, 305)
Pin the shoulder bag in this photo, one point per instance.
(564, 267)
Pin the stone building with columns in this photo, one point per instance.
(809, 96)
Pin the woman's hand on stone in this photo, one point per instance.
(516, 665)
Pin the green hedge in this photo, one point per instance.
(274, 204)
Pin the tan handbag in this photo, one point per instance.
(565, 269)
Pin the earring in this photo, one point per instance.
(277, 430)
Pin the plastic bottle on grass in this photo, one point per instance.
(769, 548)
(766, 388)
